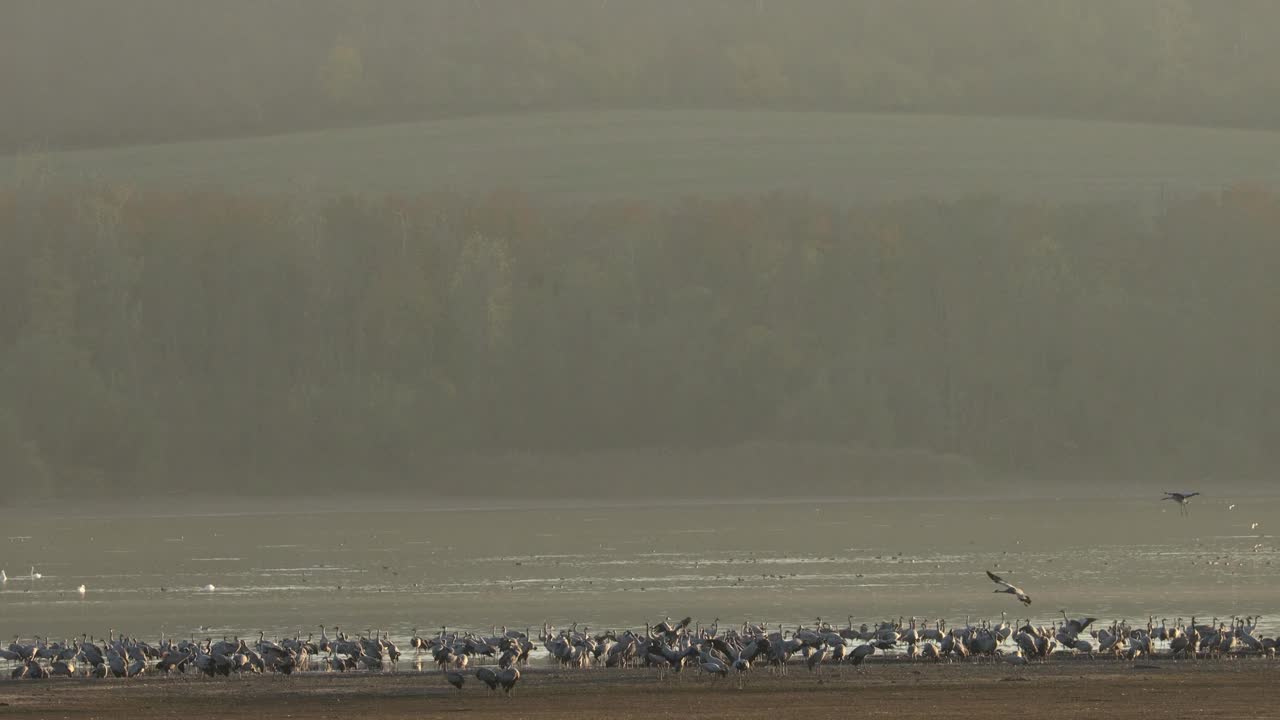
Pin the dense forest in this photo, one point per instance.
(156, 338)
(145, 333)
(78, 72)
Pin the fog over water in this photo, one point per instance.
(412, 313)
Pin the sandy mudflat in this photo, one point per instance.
(1244, 688)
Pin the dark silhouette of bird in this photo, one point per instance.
(1181, 498)
(455, 679)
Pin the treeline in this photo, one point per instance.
(89, 72)
(153, 339)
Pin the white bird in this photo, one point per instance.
(1253, 526)
(1232, 506)
(1024, 598)
(209, 588)
(35, 575)
(81, 590)
(3, 578)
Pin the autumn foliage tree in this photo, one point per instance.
(161, 339)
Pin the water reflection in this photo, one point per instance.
(617, 566)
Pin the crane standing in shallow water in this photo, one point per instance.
(1181, 498)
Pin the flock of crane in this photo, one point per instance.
(495, 659)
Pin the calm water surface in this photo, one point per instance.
(426, 565)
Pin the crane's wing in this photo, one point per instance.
(997, 579)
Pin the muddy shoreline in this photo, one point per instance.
(1073, 688)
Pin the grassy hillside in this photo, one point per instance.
(574, 156)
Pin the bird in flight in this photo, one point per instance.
(1181, 498)
(1024, 598)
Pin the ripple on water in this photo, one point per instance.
(271, 585)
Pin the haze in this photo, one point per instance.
(640, 249)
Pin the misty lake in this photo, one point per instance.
(474, 565)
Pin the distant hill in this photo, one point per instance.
(95, 74)
(596, 155)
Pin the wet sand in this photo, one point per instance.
(1242, 688)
